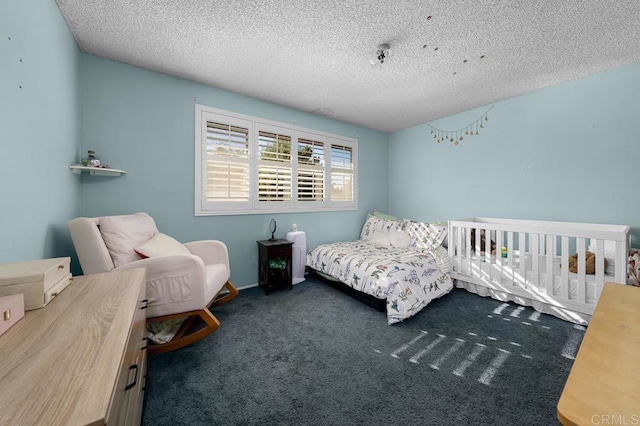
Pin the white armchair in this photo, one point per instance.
(183, 280)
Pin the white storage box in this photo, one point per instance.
(38, 280)
(11, 310)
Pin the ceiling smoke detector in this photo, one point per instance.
(382, 53)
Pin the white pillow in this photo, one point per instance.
(441, 255)
(161, 245)
(399, 239)
(122, 234)
(393, 238)
(379, 237)
(374, 224)
(425, 236)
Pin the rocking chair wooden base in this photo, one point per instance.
(182, 339)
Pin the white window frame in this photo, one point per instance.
(253, 205)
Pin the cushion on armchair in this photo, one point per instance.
(160, 245)
(122, 234)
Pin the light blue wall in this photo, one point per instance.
(143, 122)
(569, 152)
(39, 130)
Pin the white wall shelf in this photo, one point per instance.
(96, 171)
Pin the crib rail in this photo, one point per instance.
(531, 258)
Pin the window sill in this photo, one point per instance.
(275, 211)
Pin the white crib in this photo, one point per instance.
(530, 263)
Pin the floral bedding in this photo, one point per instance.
(408, 278)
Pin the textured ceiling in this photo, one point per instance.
(314, 55)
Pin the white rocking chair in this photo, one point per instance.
(183, 280)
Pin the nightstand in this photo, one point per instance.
(274, 264)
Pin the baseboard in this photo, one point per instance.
(256, 285)
(247, 286)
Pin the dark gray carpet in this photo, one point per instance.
(315, 356)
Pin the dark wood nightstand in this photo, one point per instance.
(274, 264)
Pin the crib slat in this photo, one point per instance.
(499, 259)
(487, 253)
(454, 248)
(549, 257)
(478, 249)
(512, 274)
(581, 270)
(467, 259)
(599, 267)
(487, 246)
(621, 263)
(535, 271)
(459, 247)
(522, 257)
(565, 268)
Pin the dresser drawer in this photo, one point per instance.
(281, 251)
(128, 397)
(57, 272)
(57, 288)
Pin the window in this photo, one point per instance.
(341, 173)
(274, 167)
(227, 162)
(248, 165)
(310, 170)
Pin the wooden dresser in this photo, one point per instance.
(81, 359)
(603, 387)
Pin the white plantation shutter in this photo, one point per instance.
(310, 170)
(342, 173)
(223, 162)
(227, 149)
(274, 167)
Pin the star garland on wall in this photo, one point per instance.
(456, 136)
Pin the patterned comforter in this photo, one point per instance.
(407, 278)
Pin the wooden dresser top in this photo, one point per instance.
(604, 384)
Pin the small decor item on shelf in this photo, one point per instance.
(91, 160)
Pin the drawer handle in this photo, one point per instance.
(54, 294)
(135, 377)
(146, 343)
(145, 304)
(60, 266)
(7, 315)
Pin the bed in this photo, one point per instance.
(528, 262)
(398, 262)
